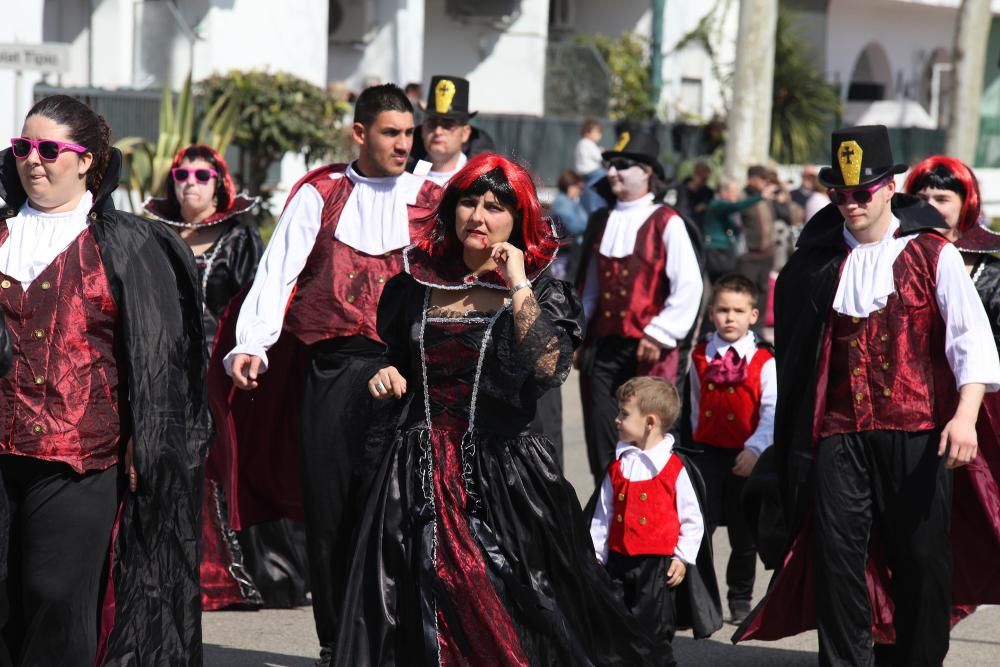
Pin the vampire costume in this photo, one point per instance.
(472, 548)
(108, 347)
(337, 243)
(640, 276)
(871, 342)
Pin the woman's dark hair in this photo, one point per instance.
(86, 127)
(513, 187)
(225, 189)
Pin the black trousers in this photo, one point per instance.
(724, 507)
(643, 582)
(60, 540)
(892, 484)
(335, 414)
(613, 363)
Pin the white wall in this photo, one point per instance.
(506, 70)
(392, 52)
(22, 24)
(907, 31)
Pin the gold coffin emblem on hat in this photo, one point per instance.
(623, 140)
(444, 93)
(849, 157)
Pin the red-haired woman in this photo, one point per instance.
(472, 547)
(260, 565)
(950, 186)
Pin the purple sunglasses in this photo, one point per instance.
(48, 149)
(859, 195)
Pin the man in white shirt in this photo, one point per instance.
(336, 244)
(642, 290)
(445, 129)
(885, 353)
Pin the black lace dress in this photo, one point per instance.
(472, 547)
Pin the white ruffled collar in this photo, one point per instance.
(624, 223)
(375, 219)
(36, 238)
(867, 281)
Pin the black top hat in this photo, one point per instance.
(449, 98)
(639, 145)
(860, 156)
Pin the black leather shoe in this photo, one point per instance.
(325, 657)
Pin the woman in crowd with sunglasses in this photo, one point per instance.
(104, 413)
(472, 548)
(265, 564)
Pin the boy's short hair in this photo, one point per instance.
(735, 282)
(589, 125)
(653, 396)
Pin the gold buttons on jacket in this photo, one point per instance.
(607, 274)
(730, 417)
(351, 275)
(39, 379)
(38, 334)
(381, 279)
(93, 215)
(643, 496)
(350, 298)
(625, 273)
(642, 521)
(621, 496)
(607, 313)
(855, 320)
(711, 386)
(46, 285)
(708, 413)
(887, 392)
(623, 292)
(859, 397)
(884, 337)
(886, 365)
(5, 283)
(38, 428)
(854, 343)
(622, 313)
(607, 295)
(619, 518)
(731, 390)
(857, 372)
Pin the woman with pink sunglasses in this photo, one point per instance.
(103, 417)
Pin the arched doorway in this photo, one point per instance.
(871, 79)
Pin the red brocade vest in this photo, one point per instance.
(645, 513)
(633, 289)
(729, 413)
(882, 367)
(60, 398)
(338, 290)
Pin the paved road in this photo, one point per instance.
(286, 639)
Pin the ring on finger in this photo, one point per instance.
(379, 387)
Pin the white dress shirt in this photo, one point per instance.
(375, 220)
(683, 302)
(866, 282)
(35, 239)
(746, 347)
(639, 466)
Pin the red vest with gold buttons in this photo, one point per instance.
(633, 289)
(882, 367)
(645, 513)
(338, 290)
(728, 413)
(59, 402)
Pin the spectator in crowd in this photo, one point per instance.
(758, 232)
(696, 194)
(721, 227)
(587, 162)
(807, 188)
(566, 208)
(415, 94)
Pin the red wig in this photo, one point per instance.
(225, 189)
(941, 172)
(514, 187)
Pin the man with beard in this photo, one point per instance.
(337, 243)
(642, 289)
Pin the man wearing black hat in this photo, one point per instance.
(642, 288)
(877, 324)
(447, 138)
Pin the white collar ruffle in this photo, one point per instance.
(35, 239)
(624, 222)
(867, 277)
(375, 219)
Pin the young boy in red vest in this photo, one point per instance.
(732, 392)
(647, 526)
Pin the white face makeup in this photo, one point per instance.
(629, 184)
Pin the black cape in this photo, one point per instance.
(157, 608)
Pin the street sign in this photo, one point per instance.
(48, 57)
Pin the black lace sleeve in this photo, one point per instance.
(541, 351)
(988, 286)
(247, 254)
(400, 303)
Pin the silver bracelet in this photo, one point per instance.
(520, 286)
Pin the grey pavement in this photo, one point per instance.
(285, 638)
